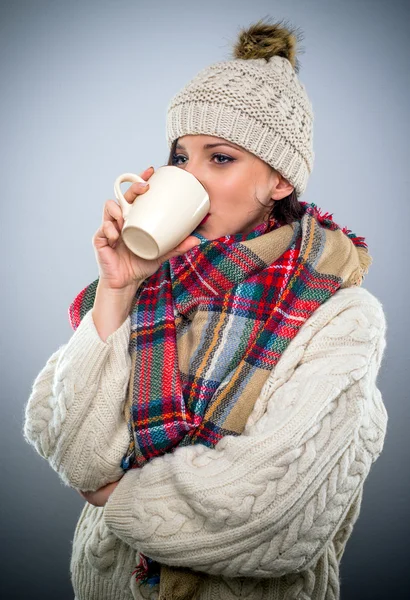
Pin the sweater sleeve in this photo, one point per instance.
(74, 415)
(268, 502)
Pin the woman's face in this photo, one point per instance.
(233, 178)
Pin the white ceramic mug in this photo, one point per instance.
(168, 212)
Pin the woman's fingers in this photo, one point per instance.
(106, 234)
(112, 212)
(110, 232)
(138, 188)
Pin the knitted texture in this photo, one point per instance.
(267, 515)
(259, 105)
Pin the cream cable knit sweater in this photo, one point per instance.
(266, 514)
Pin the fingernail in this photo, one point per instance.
(144, 183)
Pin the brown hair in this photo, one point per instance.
(284, 211)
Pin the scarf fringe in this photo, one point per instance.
(327, 220)
(358, 274)
(365, 259)
(147, 571)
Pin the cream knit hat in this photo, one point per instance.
(255, 101)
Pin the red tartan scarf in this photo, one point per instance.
(208, 327)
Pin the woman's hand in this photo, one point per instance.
(119, 267)
(100, 496)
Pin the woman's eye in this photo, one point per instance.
(226, 159)
(176, 157)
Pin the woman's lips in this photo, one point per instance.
(204, 219)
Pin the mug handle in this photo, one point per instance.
(132, 177)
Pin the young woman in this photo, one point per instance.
(218, 407)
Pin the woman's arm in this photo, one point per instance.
(74, 415)
(268, 502)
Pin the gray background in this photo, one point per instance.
(85, 87)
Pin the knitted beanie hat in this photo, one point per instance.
(255, 101)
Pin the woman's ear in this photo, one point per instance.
(282, 188)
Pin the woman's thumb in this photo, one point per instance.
(187, 244)
(194, 241)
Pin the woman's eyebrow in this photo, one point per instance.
(206, 146)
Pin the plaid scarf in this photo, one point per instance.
(208, 327)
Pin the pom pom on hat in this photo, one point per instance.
(265, 40)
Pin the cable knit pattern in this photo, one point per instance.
(266, 514)
(259, 105)
(73, 416)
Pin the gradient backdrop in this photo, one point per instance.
(84, 90)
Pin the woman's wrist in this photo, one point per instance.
(112, 307)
